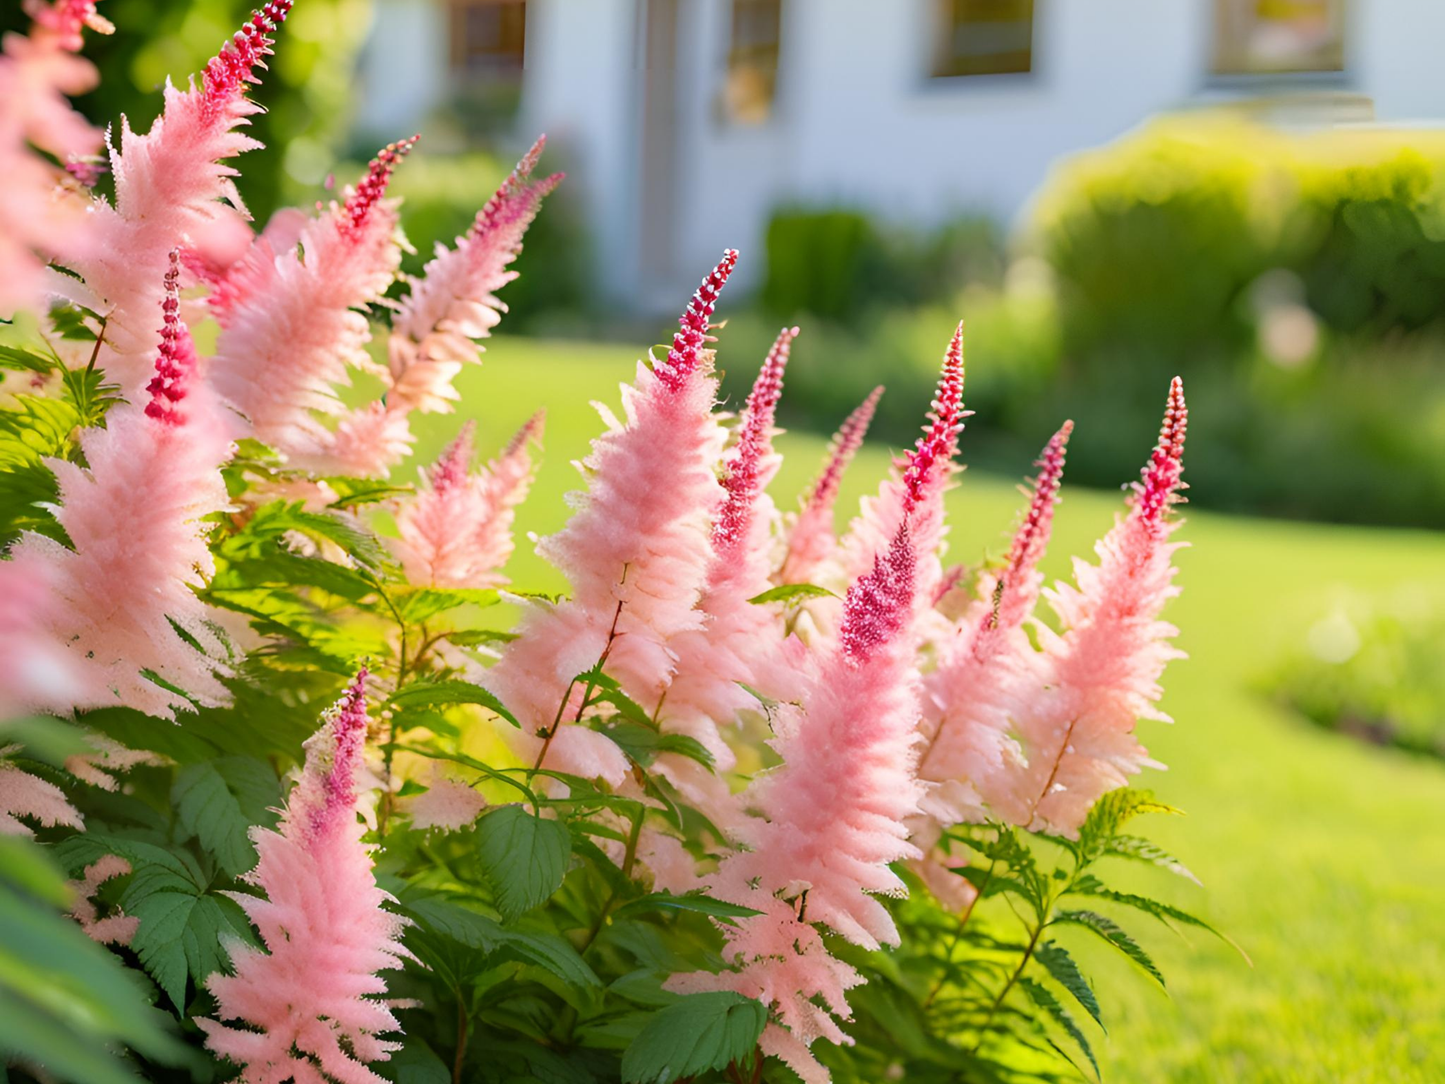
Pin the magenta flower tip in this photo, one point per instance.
(231, 69)
(878, 605)
(742, 479)
(176, 359)
(66, 19)
(1034, 534)
(371, 188)
(846, 443)
(1163, 475)
(451, 467)
(939, 442)
(687, 344)
(348, 722)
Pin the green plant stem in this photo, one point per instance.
(1012, 979)
(629, 858)
(586, 695)
(461, 1055)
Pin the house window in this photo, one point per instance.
(984, 37)
(488, 37)
(1276, 37)
(752, 66)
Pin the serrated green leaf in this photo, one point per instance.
(485, 934)
(1066, 973)
(789, 591)
(68, 320)
(524, 858)
(415, 1063)
(1143, 850)
(1113, 934)
(25, 866)
(1046, 1001)
(354, 491)
(180, 934)
(691, 901)
(1165, 913)
(21, 360)
(642, 744)
(218, 802)
(436, 694)
(693, 1035)
(422, 603)
(1109, 814)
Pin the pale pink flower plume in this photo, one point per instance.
(971, 760)
(673, 869)
(290, 335)
(116, 928)
(134, 516)
(454, 303)
(25, 795)
(367, 442)
(311, 1002)
(109, 758)
(43, 212)
(169, 188)
(448, 804)
(812, 542)
(636, 551)
(37, 673)
(1102, 674)
(740, 644)
(834, 813)
(456, 531)
(928, 468)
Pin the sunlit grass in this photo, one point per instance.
(1324, 858)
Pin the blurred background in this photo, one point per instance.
(1250, 193)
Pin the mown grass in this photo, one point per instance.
(1324, 858)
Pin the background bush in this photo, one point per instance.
(1297, 282)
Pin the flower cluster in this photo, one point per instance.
(729, 705)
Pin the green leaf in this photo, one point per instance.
(1140, 849)
(692, 901)
(68, 320)
(1046, 1001)
(14, 357)
(1164, 912)
(693, 1035)
(642, 744)
(478, 931)
(354, 491)
(219, 801)
(419, 604)
(415, 1063)
(523, 856)
(1109, 814)
(1066, 973)
(24, 865)
(436, 694)
(1111, 932)
(180, 934)
(789, 591)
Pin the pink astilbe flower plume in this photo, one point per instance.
(134, 516)
(454, 303)
(289, 336)
(971, 762)
(42, 214)
(914, 482)
(833, 814)
(636, 552)
(457, 530)
(116, 928)
(169, 189)
(812, 544)
(27, 796)
(1102, 674)
(311, 1002)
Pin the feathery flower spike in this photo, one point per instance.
(42, 215)
(636, 551)
(456, 531)
(741, 645)
(834, 812)
(812, 544)
(971, 762)
(134, 516)
(454, 303)
(1102, 674)
(289, 337)
(170, 189)
(24, 795)
(311, 1002)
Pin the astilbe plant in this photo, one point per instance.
(768, 802)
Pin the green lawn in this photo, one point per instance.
(1323, 857)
